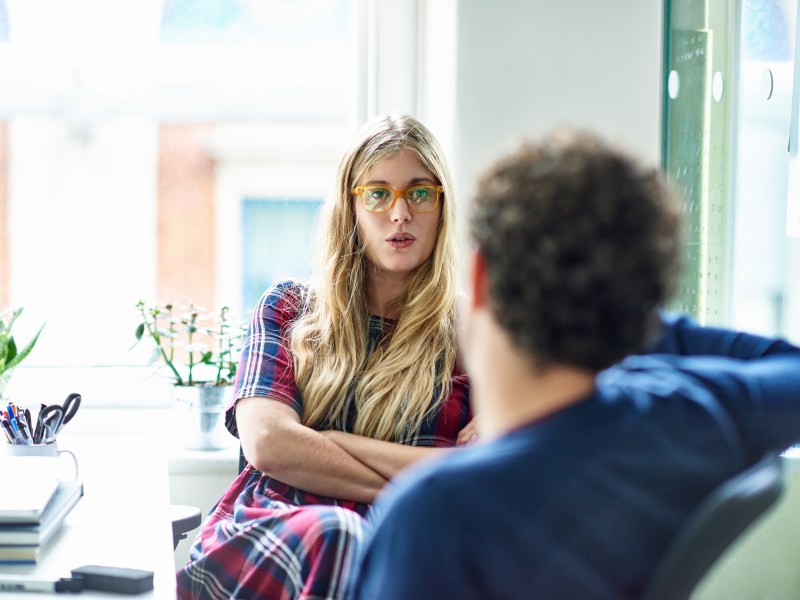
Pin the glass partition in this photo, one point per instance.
(698, 101)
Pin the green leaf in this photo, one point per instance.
(14, 316)
(155, 355)
(25, 351)
(139, 331)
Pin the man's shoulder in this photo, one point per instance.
(453, 482)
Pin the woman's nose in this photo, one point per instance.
(400, 213)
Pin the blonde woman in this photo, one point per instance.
(344, 381)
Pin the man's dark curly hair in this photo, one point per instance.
(582, 248)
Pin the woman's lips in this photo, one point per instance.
(401, 240)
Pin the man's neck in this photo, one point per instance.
(509, 391)
(518, 401)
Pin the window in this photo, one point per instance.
(141, 142)
(729, 71)
(276, 241)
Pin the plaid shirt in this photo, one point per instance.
(268, 539)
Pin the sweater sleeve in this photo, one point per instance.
(266, 366)
(682, 336)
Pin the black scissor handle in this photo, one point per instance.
(50, 420)
(70, 407)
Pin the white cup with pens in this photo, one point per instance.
(50, 450)
(25, 439)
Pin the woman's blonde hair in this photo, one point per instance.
(408, 375)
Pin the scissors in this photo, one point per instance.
(52, 418)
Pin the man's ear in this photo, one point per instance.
(478, 280)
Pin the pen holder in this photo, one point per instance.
(45, 450)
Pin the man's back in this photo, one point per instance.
(584, 503)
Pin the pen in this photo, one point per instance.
(39, 430)
(21, 583)
(17, 433)
(23, 423)
(23, 430)
(7, 429)
(37, 433)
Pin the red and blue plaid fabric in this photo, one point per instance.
(266, 539)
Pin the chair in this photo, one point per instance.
(185, 518)
(242, 459)
(719, 520)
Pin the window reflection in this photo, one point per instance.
(260, 21)
(762, 267)
(3, 22)
(766, 30)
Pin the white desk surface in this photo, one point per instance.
(122, 520)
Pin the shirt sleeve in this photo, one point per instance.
(756, 378)
(266, 368)
(682, 336)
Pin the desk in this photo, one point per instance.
(122, 520)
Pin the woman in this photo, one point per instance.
(343, 382)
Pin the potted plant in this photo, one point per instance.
(10, 355)
(199, 351)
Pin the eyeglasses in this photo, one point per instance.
(380, 198)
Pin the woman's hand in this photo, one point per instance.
(386, 458)
(468, 435)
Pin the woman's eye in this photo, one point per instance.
(419, 194)
(379, 194)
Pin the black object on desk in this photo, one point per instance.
(114, 579)
(91, 577)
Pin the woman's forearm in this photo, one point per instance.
(386, 458)
(315, 464)
(276, 444)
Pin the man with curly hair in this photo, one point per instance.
(604, 421)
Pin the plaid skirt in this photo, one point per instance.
(257, 544)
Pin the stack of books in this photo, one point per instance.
(32, 509)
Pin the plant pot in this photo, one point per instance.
(201, 416)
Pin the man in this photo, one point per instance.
(603, 422)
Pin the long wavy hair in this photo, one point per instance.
(401, 382)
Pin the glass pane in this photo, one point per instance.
(763, 254)
(133, 137)
(277, 242)
(696, 142)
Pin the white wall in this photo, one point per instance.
(523, 67)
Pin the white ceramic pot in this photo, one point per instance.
(201, 416)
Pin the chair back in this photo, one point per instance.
(719, 520)
(242, 459)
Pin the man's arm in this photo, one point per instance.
(682, 336)
(759, 385)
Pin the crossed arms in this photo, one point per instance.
(330, 463)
